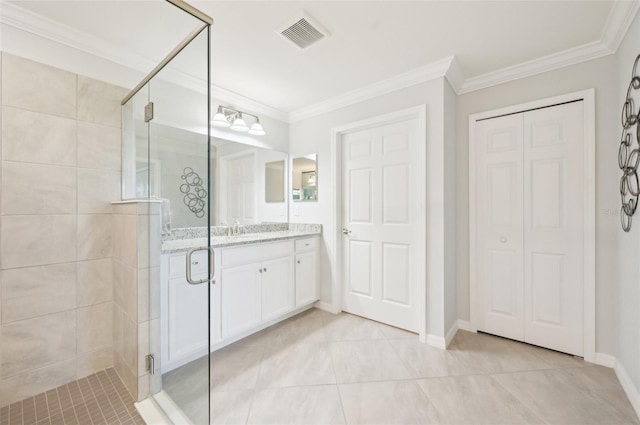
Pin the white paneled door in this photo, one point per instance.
(553, 227)
(380, 191)
(530, 241)
(500, 220)
(240, 187)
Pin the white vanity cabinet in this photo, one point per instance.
(278, 288)
(306, 271)
(255, 285)
(239, 299)
(184, 314)
(259, 291)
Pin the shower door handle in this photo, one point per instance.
(211, 265)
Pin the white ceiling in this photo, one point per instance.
(370, 40)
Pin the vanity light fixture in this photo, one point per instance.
(220, 119)
(238, 124)
(312, 180)
(256, 129)
(234, 119)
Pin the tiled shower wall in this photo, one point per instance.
(136, 307)
(60, 156)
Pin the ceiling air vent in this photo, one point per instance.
(302, 30)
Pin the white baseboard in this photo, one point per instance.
(451, 333)
(629, 388)
(436, 341)
(440, 342)
(325, 306)
(465, 325)
(605, 360)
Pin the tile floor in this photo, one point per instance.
(319, 368)
(100, 398)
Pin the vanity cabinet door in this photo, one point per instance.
(278, 291)
(306, 272)
(187, 319)
(239, 299)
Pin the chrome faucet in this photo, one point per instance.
(235, 229)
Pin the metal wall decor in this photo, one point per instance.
(629, 153)
(194, 194)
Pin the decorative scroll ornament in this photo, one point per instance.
(194, 195)
(629, 153)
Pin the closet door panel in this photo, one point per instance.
(553, 227)
(499, 226)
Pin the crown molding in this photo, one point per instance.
(455, 75)
(618, 22)
(537, 66)
(407, 79)
(27, 21)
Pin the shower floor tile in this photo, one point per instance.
(100, 398)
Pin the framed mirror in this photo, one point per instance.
(304, 178)
(274, 181)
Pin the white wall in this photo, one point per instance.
(313, 135)
(599, 74)
(626, 245)
(451, 173)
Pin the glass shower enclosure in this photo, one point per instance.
(166, 173)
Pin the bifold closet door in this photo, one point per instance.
(499, 226)
(529, 224)
(554, 227)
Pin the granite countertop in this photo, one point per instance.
(179, 245)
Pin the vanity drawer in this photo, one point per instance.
(306, 244)
(234, 256)
(178, 265)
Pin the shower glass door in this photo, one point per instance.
(169, 166)
(179, 179)
(162, 287)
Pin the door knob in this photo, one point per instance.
(346, 231)
(503, 239)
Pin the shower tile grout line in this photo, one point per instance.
(96, 399)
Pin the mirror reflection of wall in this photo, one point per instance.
(238, 174)
(304, 184)
(160, 167)
(177, 150)
(274, 186)
(243, 173)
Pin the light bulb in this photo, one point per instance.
(220, 119)
(257, 130)
(239, 124)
